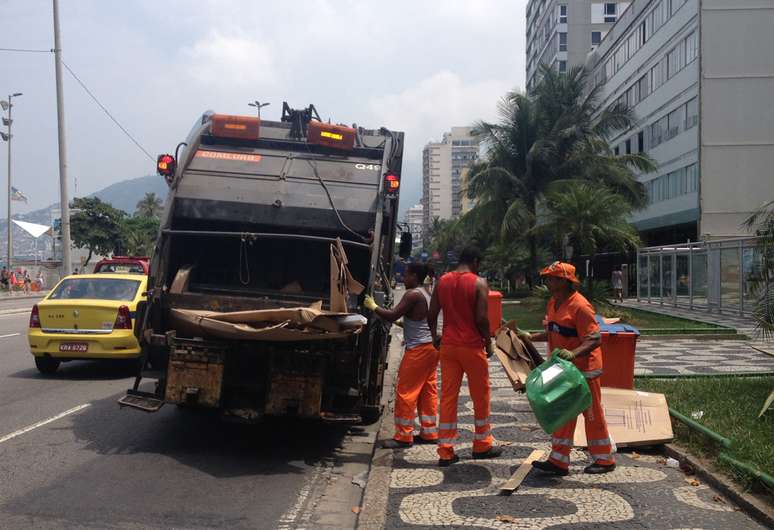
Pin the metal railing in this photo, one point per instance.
(720, 276)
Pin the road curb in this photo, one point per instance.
(752, 506)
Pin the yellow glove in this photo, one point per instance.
(567, 355)
(523, 335)
(369, 303)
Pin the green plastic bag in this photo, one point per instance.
(557, 393)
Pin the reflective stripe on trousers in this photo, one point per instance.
(416, 391)
(599, 442)
(457, 361)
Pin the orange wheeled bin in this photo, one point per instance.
(619, 342)
(495, 306)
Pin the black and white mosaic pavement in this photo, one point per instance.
(642, 492)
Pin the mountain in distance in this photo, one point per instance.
(123, 195)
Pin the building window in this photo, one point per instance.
(596, 38)
(643, 34)
(691, 47)
(562, 42)
(616, 151)
(691, 113)
(610, 11)
(562, 14)
(562, 66)
(674, 120)
(642, 87)
(641, 142)
(628, 147)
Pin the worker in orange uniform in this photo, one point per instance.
(417, 388)
(573, 334)
(465, 349)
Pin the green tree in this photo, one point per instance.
(96, 226)
(558, 133)
(588, 217)
(761, 279)
(139, 235)
(149, 206)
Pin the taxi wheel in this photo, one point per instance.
(46, 365)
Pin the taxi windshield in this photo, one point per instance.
(95, 289)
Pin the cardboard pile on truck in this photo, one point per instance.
(282, 324)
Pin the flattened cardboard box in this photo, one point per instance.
(517, 370)
(633, 418)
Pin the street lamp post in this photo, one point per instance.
(258, 105)
(64, 199)
(8, 105)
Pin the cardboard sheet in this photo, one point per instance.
(517, 370)
(633, 418)
(342, 281)
(292, 324)
(515, 356)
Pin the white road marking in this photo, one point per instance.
(44, 422)
(9, 335)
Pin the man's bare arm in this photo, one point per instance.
(432, 315)
(405, 305)
(482, 308)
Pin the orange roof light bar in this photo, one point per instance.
(328, 135)
(242, 127)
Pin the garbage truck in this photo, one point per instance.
(272, 233)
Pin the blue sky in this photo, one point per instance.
(420, 67)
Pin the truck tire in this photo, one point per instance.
(46, 365)
(371, 415)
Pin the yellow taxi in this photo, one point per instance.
(86, 316)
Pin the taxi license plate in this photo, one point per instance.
(79, 347)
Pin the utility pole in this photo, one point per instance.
(64, 200)
(8, 105)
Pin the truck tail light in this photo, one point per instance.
(123, 319)
(35, 317)
(391, 183)
(166, 165)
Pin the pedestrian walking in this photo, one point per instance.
(572, 329)
(5, 279)
(617, 282)
(27, 281)
(417, 388)
(465, 349)
(41, 281)
(429, 283)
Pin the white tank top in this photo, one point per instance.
(417, 332)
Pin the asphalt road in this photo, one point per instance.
(95, 465)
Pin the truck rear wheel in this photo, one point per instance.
(46, 365)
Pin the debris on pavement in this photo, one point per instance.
(671, 462)
(697, 415)
(360, 479)
(506, 518)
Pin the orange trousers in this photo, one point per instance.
(456, 361)
(417, 390)
(599, 442)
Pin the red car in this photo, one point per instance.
(123, 265)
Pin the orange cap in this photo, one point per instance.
(561, 270)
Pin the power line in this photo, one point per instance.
(107, 112)
(24, 50)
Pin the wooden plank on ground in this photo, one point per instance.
(521, 473)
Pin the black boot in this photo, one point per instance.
(549, 467)
(598, 469)
(446, 462)
(395, 444)
(421, 441)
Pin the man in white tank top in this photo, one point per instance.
(417, 389)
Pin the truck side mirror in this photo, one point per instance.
(406, 244)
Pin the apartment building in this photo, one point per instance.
(443, 166)
(699, 75)
(414, 220)
(561, 33)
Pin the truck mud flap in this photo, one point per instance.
(144, 401)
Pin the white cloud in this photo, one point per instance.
(237, 60)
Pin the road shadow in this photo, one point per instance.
(203, 441)
(97, 370)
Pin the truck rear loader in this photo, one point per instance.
(272, 233)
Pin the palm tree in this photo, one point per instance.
(149, 206)
(558, 133)
(762, 222)
(588, 217)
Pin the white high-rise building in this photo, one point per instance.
(561, 33)
(443, 166)
(699, 75)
